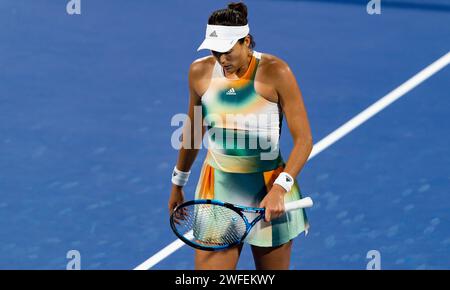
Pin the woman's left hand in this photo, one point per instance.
(273, 202)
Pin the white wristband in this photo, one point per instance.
(180, 178)
(285, 180)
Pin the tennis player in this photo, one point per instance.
(243, 95)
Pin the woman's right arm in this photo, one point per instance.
(190, 145)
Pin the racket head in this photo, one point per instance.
(209, 225)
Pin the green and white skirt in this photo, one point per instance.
(249, 189)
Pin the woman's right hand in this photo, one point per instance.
(176, 197)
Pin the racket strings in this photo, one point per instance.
(211, 225)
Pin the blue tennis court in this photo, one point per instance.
(86, 103)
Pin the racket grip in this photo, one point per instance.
(302, 203)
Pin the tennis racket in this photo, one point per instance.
(213, 225)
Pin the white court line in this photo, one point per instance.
(334, 136)
(381, 104)
(164, 253)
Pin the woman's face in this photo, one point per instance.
(235, 58)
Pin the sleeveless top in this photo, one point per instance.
(243, 128)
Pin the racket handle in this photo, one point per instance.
(302, 203)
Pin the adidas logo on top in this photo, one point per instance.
(213, 34)
(231, 92)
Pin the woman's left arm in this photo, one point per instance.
(291, 101)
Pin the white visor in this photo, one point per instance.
(222, 38)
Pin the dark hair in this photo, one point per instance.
(234, 15)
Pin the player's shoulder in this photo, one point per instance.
(273, 65)
(201, 66)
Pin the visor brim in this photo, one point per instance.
(219, 45)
